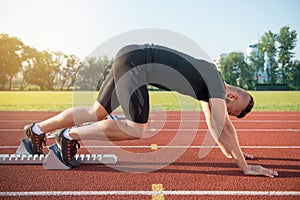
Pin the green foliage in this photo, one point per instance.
(236, 71)
(278, 49)
(10, 58)
(91, 75)
(70, 66)
(293, 75)
(43, 70)
(287, 42)
(103, 76)
(268, 46)
(256, 62)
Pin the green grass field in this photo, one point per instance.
(57, 101)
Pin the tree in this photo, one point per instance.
(42, 70)
(267, 47)
(10, 58)
(91, 72)
(236, 71)
(69, 67)
(61, 78)
(227, 71)
(287, 42)
(74, 65)
(27, 54)
(293, 75)
(103, 76)
(256, 62)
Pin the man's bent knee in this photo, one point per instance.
(118, 130)
(99, 110)
(139, 130)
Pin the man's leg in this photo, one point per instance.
(103, 130)
(109, 130)
(126, 87)
(73, 116)
(70, 117)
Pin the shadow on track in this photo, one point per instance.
(209, 168)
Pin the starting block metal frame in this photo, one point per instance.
(53, 160)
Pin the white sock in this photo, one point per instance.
(36, 129)
(67, 135)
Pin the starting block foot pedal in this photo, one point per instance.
(25, 147)
(54, 159)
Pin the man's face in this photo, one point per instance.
(236, 104)
(231, 109)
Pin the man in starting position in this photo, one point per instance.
(134, 67)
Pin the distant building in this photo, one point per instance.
(261, 75)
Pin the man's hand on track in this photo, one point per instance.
(259, 170)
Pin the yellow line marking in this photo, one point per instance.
(158, 197)
(158, 188)
(154, 147)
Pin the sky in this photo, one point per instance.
(80, 26)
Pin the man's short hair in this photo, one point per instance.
(247, 109)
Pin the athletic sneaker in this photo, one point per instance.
(37, 141)
(68, 149)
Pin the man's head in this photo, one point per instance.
(238, 101)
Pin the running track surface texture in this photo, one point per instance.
(272, 137)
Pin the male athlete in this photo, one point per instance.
(134, 67)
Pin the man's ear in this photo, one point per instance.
(232, 96)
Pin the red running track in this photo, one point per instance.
(273, 138)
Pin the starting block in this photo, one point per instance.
(53, 160)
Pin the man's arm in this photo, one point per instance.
(208, 141)
(224, 133)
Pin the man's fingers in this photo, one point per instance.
(269, 175)
(269, 172)
(274, 173)
(259, 170)
(248, 156)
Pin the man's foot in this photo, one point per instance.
(38, 141)
(68, 149)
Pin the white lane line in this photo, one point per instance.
(18, 120)
(179, 192)
(171, 147)
(190, 130)
(238, 130)
(293, 130)
(290, 114)
(179, 120)
(10, 130)
(194, 147)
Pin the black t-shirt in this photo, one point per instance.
(182, 73)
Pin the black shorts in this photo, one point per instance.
(136, 66)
